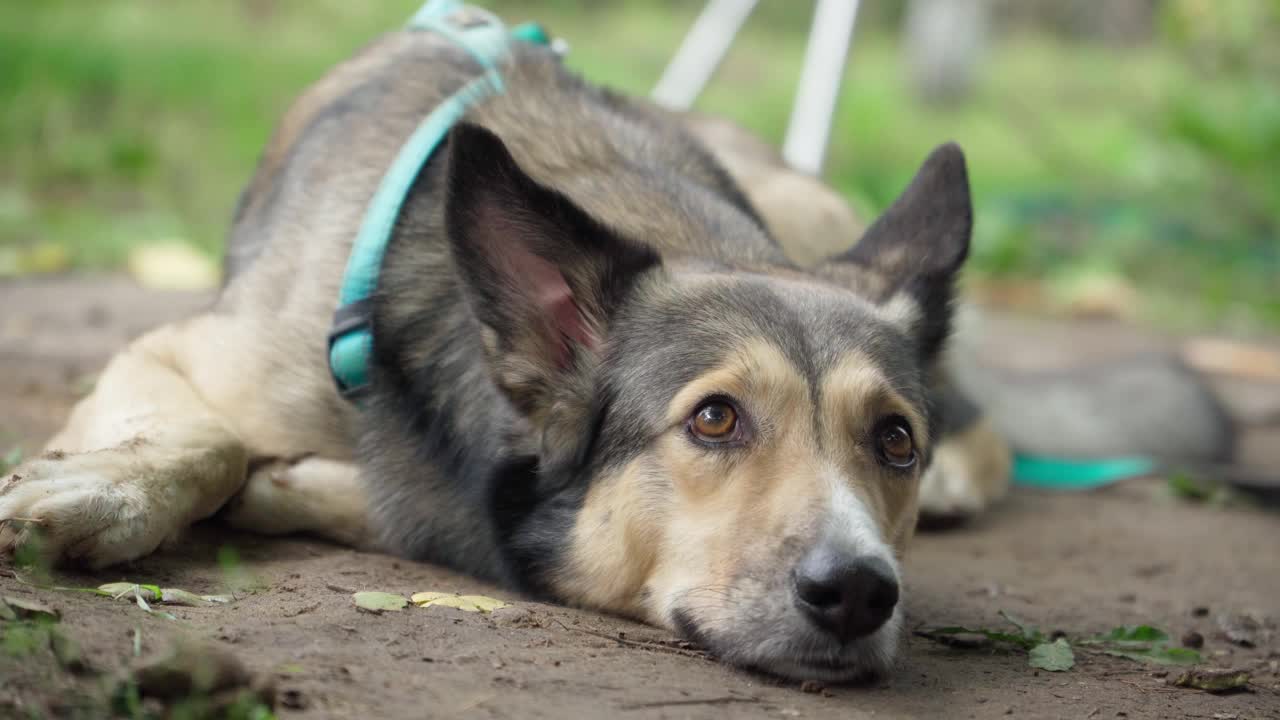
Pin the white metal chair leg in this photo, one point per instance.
(809, 129)
(701, 52)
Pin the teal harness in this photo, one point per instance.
(483, 36)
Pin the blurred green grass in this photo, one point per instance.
(129, 121)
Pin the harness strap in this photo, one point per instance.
(483, 36)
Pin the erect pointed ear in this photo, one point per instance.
(919, 243)
(543, 278)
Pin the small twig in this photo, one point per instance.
(339, 588)
(723, 700)
(659, 647)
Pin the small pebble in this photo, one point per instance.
(812, 687)
(1200, 611)
(1192, 639)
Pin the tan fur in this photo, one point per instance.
(857, 395)
(312, 495)
(681, 525)
(121, 478)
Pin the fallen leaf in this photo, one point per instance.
(117, 590)
(1054, 657)
(1213, 681)
(44, 257)
(29, 609)
(377, 602)
(176, 596)
(1028, 632)
(1135, 633)
(1160, 655)
(963, 637)
(140, 594)
(469, 603)
(172, 265)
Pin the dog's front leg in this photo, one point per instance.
(314, 495)
(142, 458)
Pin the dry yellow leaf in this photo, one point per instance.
(469, 603)
(377, 602)
(172, 266)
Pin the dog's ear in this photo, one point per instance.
(917, 246)
(542, 277)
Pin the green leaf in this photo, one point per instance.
(1187, 487)
(1029, 632)
(139, 593)
(377, 602)
(1054, 657)
(1136, 633)
(1159, 655)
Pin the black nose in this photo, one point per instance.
(847, 595)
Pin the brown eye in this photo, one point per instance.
(895, 446)
(714, 421)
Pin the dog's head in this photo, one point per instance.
(731, 452)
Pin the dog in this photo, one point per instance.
(596, 375)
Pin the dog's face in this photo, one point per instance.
(741, 448)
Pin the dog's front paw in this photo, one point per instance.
(969, 472)
(948, 491)
(98, 508)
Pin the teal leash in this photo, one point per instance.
(1050, 473)
(484, 37)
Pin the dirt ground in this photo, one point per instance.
(1079, 563)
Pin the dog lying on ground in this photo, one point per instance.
(597, 375)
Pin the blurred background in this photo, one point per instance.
(1125, 155)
